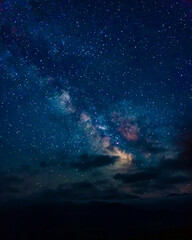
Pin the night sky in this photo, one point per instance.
(95, 99)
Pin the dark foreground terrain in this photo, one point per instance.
(170, 218)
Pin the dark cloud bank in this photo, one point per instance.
(169, 173)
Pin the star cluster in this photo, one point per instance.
(95, 98)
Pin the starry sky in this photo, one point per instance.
(95, 99)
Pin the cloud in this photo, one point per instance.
(153, 179)
(168, 174)
(93, 161)
(183, 162)
(148, 146)
(178, 195)
(10, 184)
(68, 192)
(8, 180)
(143, 175)
(151, 148)
(79, 186)
(177, 179)
(84, 191)
(170, 182)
